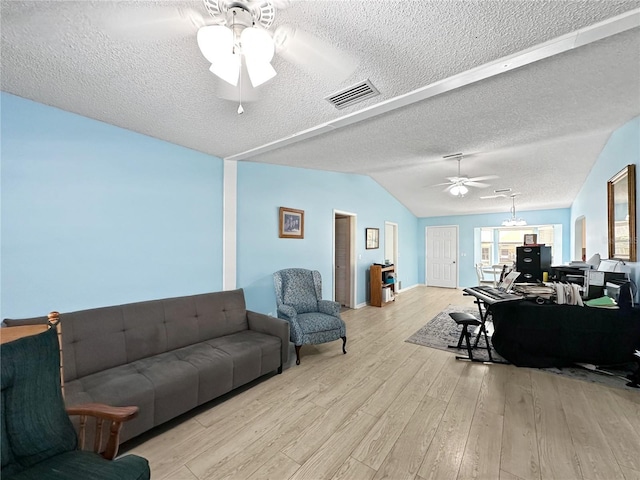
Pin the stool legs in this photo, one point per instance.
(467, 336)
(465, 320)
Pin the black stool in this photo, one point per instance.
(466, 320)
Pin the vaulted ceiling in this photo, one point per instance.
(528, 91)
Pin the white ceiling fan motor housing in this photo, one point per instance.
(262, 11)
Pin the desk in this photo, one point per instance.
(532, 335)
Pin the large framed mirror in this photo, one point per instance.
(621, 202)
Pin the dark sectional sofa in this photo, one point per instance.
(166, 356)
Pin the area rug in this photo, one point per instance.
(442, 331)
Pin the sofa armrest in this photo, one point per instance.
(329, 307)
(271, 326)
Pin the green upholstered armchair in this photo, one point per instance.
(299, 300)
(38, 439)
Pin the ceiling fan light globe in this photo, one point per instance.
(259, 72)
(257, 44)
(227, 68)
(215, 41)
(459, 190)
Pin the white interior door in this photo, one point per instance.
(442, 257)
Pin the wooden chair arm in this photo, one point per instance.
(116, 416)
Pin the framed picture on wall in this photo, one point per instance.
(291, 223)
(372, 236)
(530, 238)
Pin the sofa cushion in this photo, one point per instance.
(196, 318)
(119, 386)
(95, 345)
(252, 353)
(144, 329)
(214, 367)
(175, 384)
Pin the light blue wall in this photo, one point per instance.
(468, 223)
(95, 215)
(622, 148)
(262, 189)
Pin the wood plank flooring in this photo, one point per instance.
(394, 410)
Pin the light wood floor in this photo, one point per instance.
(394, 410)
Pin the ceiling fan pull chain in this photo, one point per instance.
(233, 29)
(240, 109)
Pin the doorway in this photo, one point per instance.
(344, 258)
(580, 242)
(391, 247)
(442, 256)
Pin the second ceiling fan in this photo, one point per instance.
(459, 185)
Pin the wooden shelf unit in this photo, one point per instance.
(377, 275)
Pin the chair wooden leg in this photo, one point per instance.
(298, 354)
(344, 343)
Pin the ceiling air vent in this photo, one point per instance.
(352, 95)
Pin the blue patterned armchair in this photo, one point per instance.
(312, 319)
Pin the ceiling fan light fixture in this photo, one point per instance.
(257, 44)
(215, 41)
(459, 190)
(227, 68)
(259, 72)
(514, 221)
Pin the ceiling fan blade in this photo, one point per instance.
(487, 197)
(440, 184)
(476, 184)
(485, 177)
(448, 188)
(313, 55)
(139, 23)
(282, 4)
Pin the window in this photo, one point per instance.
(486, 254)
(508, 241)
(498, 245)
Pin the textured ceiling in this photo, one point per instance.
(539, 127)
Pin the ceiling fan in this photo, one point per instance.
(239, 40)
(459, 185)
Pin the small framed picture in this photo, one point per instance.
(291, 223)
(530, 238)
(372, 236)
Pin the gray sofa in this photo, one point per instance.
(166, 356)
